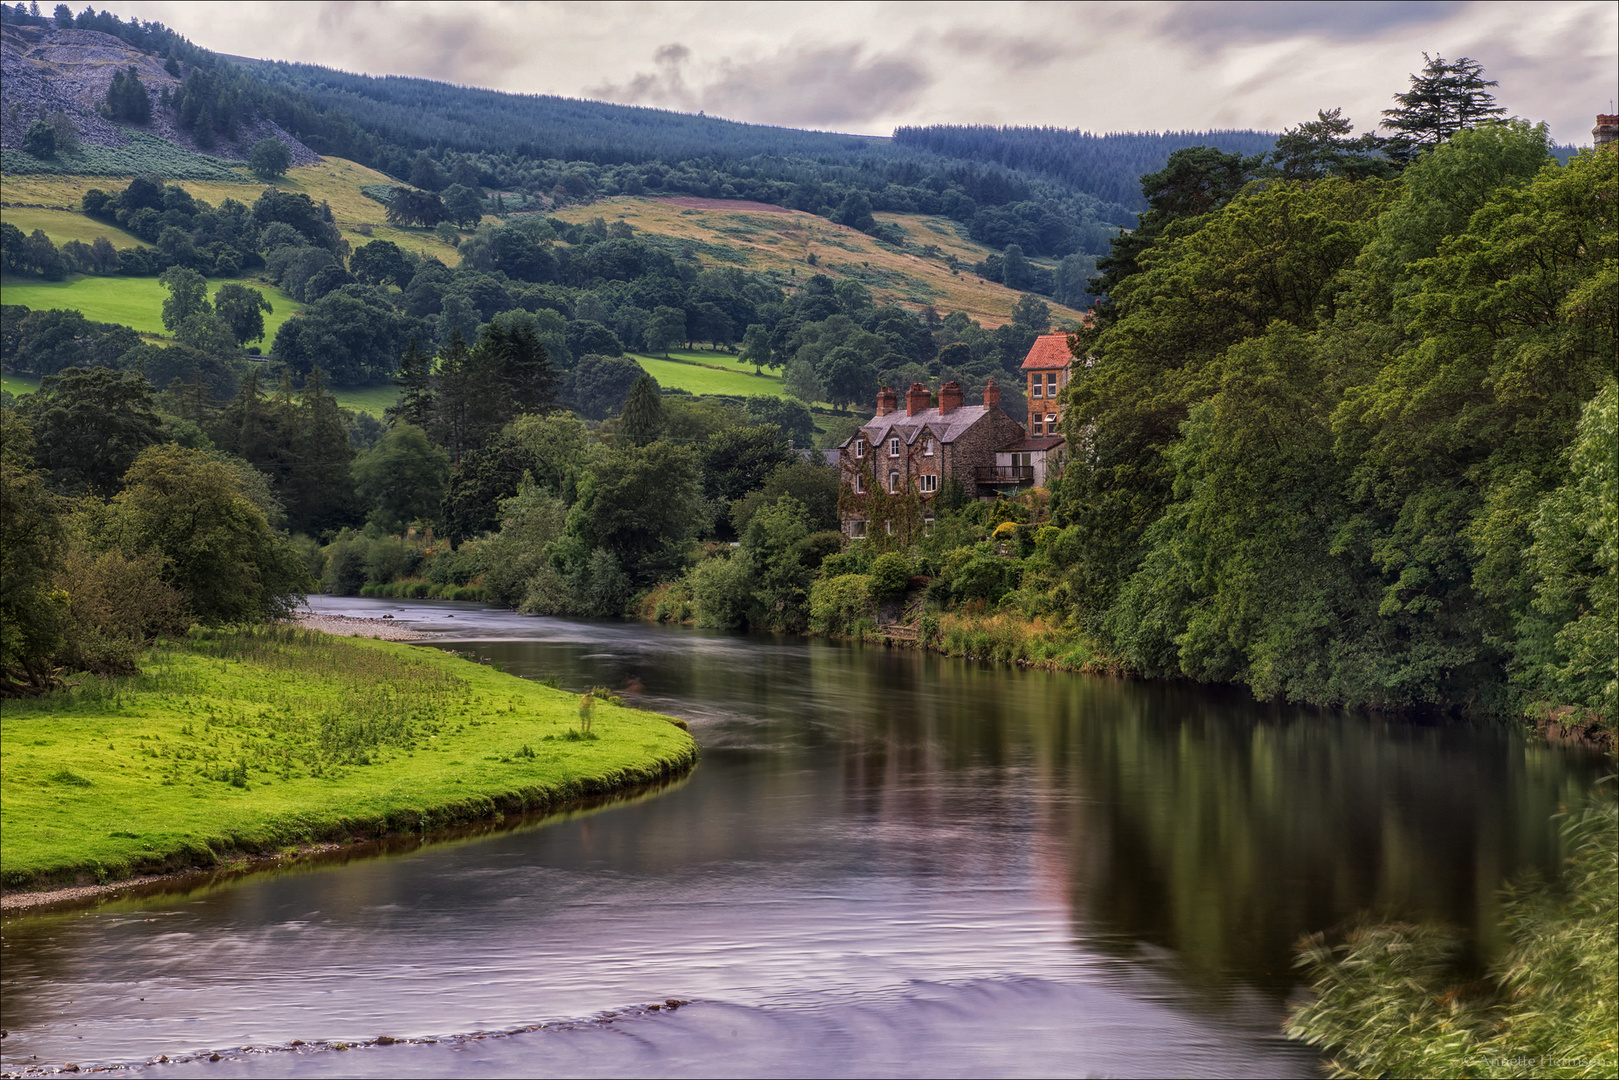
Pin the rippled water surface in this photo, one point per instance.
(887, 863)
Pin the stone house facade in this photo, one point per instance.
(893, 468)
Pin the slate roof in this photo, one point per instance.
(947, 427)
(1049, 351)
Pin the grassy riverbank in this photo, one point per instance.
(252, 741)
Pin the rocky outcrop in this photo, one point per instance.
(46, 70)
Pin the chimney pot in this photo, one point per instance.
(950, 397)
(887, 401)
(992, 393)
(917, 399)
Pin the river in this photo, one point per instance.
(886, 863)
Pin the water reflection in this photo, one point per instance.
(864, 823)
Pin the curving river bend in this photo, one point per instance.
(886, 863)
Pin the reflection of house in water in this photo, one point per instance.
(917, 452)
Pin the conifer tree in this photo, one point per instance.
(1444, 99)
(643, 412)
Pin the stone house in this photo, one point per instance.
(893, 468)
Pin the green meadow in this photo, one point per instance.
(709, 373)
(133, 301)
(243, 741)
(64, 225)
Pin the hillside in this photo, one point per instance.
(791, 245)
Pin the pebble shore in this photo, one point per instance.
(349, 626)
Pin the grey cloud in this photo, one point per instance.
(1010, 49)
(1239, 22)
(812, 87)
(453, 45)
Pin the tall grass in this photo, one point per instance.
(1394, 999)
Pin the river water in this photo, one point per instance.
(886, 863)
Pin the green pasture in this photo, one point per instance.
(247, 741)
(64, 225)
(19, 384)
(366, 399)
(135, 302)
(709, 373)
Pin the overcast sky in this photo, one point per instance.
(867, 67)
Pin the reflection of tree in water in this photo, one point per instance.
(1225, 830)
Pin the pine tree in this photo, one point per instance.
(643, 412)
(1444, 99)
(416, 390)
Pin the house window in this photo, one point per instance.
(928, 482)
(927, 447)
(1034, 423)
(890, 527)
(893, 448)
(1051, 384)
(1023, 460)
(1035, 387)
(893, 483)
(927, 525)
(1051, 421)
(860, 448)
(857, 529)
(859, 484)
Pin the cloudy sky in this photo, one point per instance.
(867, 67)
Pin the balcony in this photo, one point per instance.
(998, 475)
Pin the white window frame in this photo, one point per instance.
(1051, 384)
(859, 484)
(857, 529)
(927, 482)
(893, 446)
(927, 447)
(927, 525)
(893, 483)
(1037, 387)
(890, 525)
(1051, 419)
(860, 448)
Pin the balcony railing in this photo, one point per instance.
(1004, 474)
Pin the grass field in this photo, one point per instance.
(134, 302)
(781, 245)
(251, 741)
(64, 225)
(697, 372)
(335, 181)
(367, 399)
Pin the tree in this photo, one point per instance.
(1444, 99)
(1015, 270)
(855, 212)
(401, 479)
(218, 548)
(380, 263)
(666, 327)
(427, 174)
(269, 159)
(188, 295)
(1322, 147)
(639, 504)
(31, 543)
(848, 377)
(1031, 313)
(756, 347)
(40, 140)
(415, 382)
(463, 205)
(320, 491)
(127, 99)
(801, 381)
(792, 417)
(88, 427)
(243, 310)
(738, 459)
(642, 421)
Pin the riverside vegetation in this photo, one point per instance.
(250, 740)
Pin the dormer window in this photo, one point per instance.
(893, 447)
(860, 448)
(927, 447)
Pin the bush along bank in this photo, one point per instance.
(246, 741)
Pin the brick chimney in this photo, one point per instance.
(950, 397)
(887, 401)
(992, 393)
(1607, 129)
(917, 399)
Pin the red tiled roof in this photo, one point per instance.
(1049, 351)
